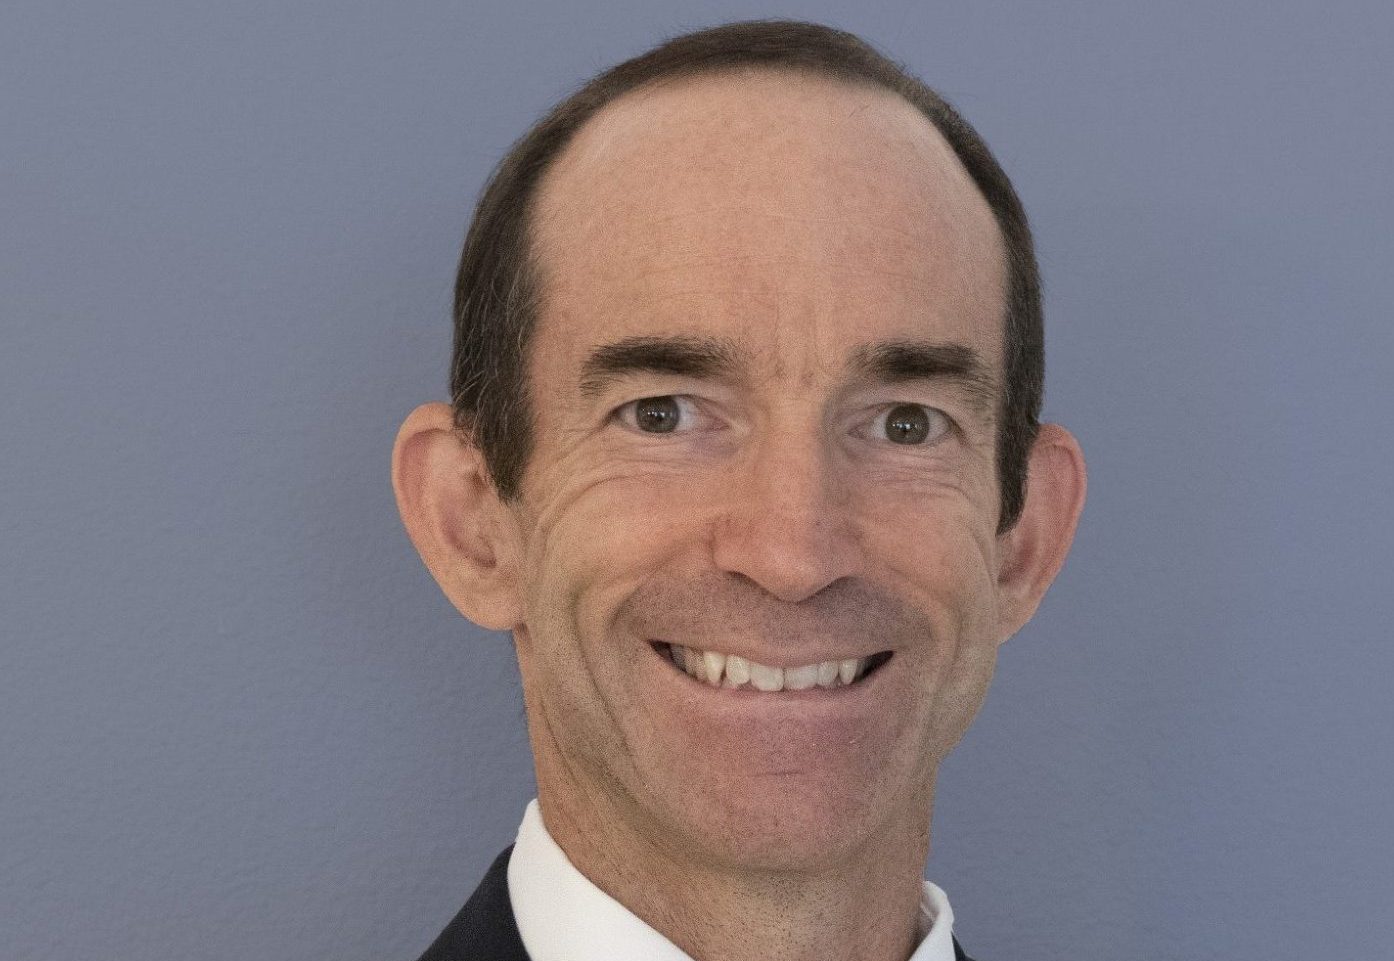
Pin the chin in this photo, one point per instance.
(783, 823)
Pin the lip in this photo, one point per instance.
(866, 683)
(824, 738)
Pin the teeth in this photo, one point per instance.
(847, 669)
(733, 671)
(689, 661)
(737, 669)
(715, 664)
(766, 678)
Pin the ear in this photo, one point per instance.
(1032, 552)
(454, 517)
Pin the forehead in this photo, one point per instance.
(789, 212)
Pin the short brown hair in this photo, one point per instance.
(496, 290)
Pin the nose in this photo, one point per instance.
(789, 526)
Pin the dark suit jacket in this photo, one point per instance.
(484, 930)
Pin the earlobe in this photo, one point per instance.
(453, 517)
(1033, 552)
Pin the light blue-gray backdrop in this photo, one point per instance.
(237, 718)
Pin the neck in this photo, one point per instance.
(864, 908)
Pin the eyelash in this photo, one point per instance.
(949, 425)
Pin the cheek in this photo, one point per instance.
(937, 539)
(589, 546)
(941, 556)
(603, 532)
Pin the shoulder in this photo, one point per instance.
(484, 929)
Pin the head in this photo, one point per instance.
(748, 361)
(496, 288)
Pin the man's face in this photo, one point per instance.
(791, 505)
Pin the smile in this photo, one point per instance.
(735, 672)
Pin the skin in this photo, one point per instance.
(797, 217)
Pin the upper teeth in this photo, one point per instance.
(732, 670)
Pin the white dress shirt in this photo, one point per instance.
(562, 916)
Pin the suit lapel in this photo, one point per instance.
(484, 930)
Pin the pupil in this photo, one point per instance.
(659, 413)
(907, 424)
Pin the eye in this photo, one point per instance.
(912, 424)
(656, 415)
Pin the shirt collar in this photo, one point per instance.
(563, 916)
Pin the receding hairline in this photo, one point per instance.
(721, 74)
(543, 201)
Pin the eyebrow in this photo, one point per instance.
(902, 361)
(707, 358)
(719, 358)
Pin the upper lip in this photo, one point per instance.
(780, 658)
